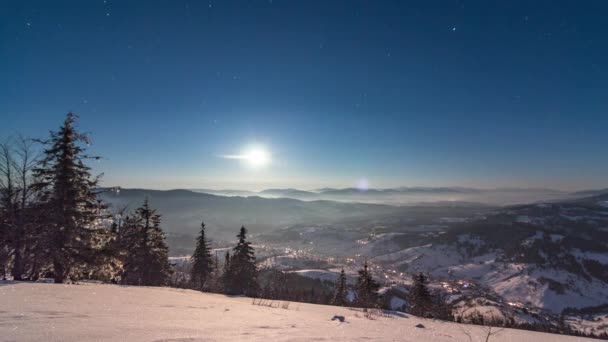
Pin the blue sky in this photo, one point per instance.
(434, 93)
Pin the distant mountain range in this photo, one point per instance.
(226, 211)
(183, 211)
(412, 195)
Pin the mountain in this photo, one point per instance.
(95, 312)
(538, 259)
(409, 195)
(549, 255)
(289, 193)
(227, 192)
(183, 210)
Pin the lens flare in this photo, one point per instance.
(255, 156)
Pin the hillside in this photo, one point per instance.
(549, 256)
(534, 258)
(183, 211)
(91, 312)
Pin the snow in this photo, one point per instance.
(512, 282)
(523, 219)
(96, 312)
(397, 303)
(318, 274)
(453, 219)
(468, 238)
(600, 257)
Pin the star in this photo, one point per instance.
(454, 28)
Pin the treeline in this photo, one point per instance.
(237, 273)
(53, 224)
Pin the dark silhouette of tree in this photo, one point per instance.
(341, 290)
(69, 204)
(367, 289)
(147, 255)
(216, 264)
(243, 271)
(24, 235)
(202, 264)
(226, 273)
(420, 298)
(8, 207)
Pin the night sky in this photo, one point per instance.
(433, 93)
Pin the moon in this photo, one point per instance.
(257, 157)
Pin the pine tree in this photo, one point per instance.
(70, 208)
(147, 255)
(367, 289)
(243, 271)
(420, 298)
(341, 290)
(202, 264)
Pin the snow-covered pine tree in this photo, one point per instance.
(71, 212)
(341, 290)
(202, 264)
(147, 255)
(367, 289)
(243, 271)
(420, 298)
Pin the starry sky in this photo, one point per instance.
(403, 93)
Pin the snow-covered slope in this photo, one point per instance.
(50, 312)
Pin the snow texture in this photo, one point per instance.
(95, 312)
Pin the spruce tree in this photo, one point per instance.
(243, 271)
(367, 289)
(202, 264)
(341, 290)
(420, 298)
(70, 208)
(147, 255)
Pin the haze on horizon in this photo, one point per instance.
(186, 94)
